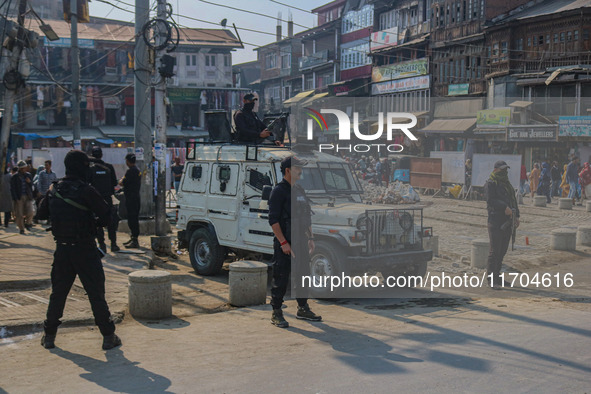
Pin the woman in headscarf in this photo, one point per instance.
(534, 179)
(564, 186)
(545, 182)
(585, 179)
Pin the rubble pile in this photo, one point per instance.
(395, 193)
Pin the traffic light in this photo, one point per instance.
(83, 12)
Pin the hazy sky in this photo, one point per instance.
(200, 10)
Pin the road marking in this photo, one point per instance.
(8, 303)
(35, 297)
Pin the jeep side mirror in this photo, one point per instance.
(266, 192)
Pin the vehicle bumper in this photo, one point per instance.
(389, 260)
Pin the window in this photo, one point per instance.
(528, 42)
(535, 41)
(227, 61)
(562, 37)
(519, 44)
(569, 36)
(355, 56)
(586, 34)
(191, 60)
(270, 60)
(576, 35)
(547, 39)
(209, 60)
(541, 40)
(555, 38)
(495, 51)
(286, 60)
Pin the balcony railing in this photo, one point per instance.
(313, 60)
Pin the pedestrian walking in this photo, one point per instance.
(177, 172)
(564, 186)
(6, 197)
(534, 179)
(293, 238)
(522, 180)
(21, 189)
(72, 205)
(103, 178)
(378, 172)
(556, 178)
(387, 170)
(572, 177)
(501, 205)
(45, 178)
(585, 180)
(544, 187)
(131, 183)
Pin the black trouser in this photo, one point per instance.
(7, 216)
(111, 228)
(499, 243)
(82, 259)
(132, 203)
(281, 275)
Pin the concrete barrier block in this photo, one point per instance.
(563, 239)
(584, 235)
(150, 294)
(565, 203)
(248, 283)
(539, 201)
(588, 205)
(480, 250)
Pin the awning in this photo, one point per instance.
(298, 97)
(313, 98)
(36, 136)
(66, 135)
(520, 104)
(105, 141)
(450, 126)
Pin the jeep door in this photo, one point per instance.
(222, 203)
(254, 212)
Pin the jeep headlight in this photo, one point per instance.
(405, 221)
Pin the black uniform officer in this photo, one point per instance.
(501, 205)
(103, 178)
(293, 238)
(72, 205)
(131, 183)
(248, 125)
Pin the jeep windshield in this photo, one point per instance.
(329, 178)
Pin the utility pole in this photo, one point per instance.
(10, 95)
(161, 124)
(75, 74)
(143, 109)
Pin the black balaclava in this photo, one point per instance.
(76, 163)
(249, 106)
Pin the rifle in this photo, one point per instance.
(513, 223)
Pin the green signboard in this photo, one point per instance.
(497, 117)
(458, 89)
(401, 70)
(192, 96)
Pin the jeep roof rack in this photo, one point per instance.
(252, 151)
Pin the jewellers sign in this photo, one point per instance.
(401, 70)
(532, 133)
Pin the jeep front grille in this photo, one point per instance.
(390, 230)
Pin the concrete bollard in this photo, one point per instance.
(539, 201)
(565, 203)
(480, 250)
(584, 235)
(519, 197)
(563, 239)
(432, 243)
(588, 206)
(248, 283)
(150, 294)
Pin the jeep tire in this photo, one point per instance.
(327, 259)
(207, 256)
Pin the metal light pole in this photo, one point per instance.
(75, 74)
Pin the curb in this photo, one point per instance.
(26, 284)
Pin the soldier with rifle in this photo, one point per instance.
(503, 218)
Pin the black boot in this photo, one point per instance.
(278, 319)
(128, 242)
(305, 313)
(134, 244)
(48, 341)
(115, 247)
(111, 341)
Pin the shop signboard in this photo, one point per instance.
(574, 126)
(184, 95)
(384, 38)
(532, 133)
(67, 43)
(401, 85)
(496, 117)
(458, 89)
(411, 68)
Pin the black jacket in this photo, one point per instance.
(280, 207)
(497, 199)
(16, 186)
(248, 126)
(132, 181)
